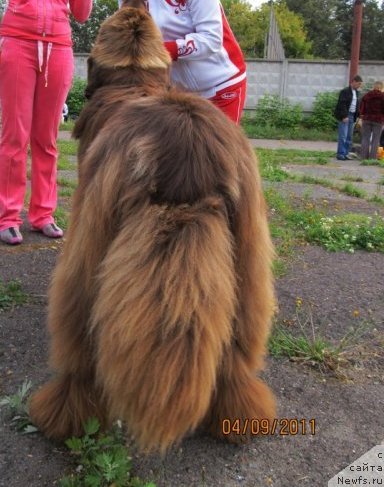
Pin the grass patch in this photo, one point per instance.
(103, 460)
(304, 346)
(67, 183)
(352, 179)
(64, 164)
(68, 126)
(256, 131)
(67, 147)
(345, 232)
(307, 179)
(11, 295)
(61, 217)
(271, 160)
(352, 190)
(283, 343)
(294, 156)
(377, 199)
(372, 162)
(66, 192)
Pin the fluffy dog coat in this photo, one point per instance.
(160, 305)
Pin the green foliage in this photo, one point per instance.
(244, 22)
(251, 26)
(61, 217)
(346, 232)
(103, 460)
(322, 117)
(76, 98)
(272, 111)
(11, 295)
(84, 35)
(372, 162)
(67, 147)
(283, 343)
(294, 156)
(292, 30)
(352, 190)
(328, 24)
(16, 407)
(255, 130)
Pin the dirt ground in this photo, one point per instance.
(347, 406)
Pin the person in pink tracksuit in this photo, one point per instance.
(36, 69)
(207, 58)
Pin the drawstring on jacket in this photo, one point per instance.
(40, 50)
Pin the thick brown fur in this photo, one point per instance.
(160, 305)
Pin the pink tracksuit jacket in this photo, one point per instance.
(36, 70)
(47, 20)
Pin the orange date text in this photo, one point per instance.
(277, 426)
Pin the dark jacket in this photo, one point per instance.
(372, 106)
(344, 102)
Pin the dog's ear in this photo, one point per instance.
(133, 4)
(130, 38)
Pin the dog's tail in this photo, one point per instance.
(163, 318)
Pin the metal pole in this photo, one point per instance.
(356, 38)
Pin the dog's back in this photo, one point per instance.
(161, 303)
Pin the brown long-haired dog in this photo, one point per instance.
(160, 305)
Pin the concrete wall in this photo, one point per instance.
(297, 80)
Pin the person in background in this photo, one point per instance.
(206, 57)
(36, 72)
(65, 113)
(346, 112)
(372, 115)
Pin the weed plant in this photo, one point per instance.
(305, 346)
(16, 407)
(11, 295)
(102, 459)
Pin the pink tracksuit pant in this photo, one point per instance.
(32, 95)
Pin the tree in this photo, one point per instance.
(372, 34)
(292, 30)
(245, 23)
(84, 35)
(251, 27)
(329, 25)
(319, 17)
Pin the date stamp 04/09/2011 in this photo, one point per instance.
(276, 426)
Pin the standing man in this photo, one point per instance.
(346, 112)
(372, 114)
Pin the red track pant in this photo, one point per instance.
(32, 95)
(231, 100)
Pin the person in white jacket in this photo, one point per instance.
(207, 58)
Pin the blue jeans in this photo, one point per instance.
(345, 132)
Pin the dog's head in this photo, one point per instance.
(128, 43)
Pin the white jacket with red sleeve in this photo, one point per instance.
(207, 57)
